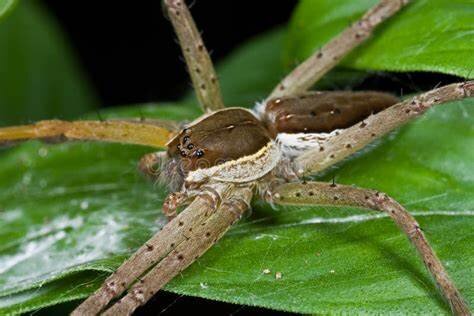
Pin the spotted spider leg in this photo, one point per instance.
(200, 67)
(323, 60)
(319, 193)
(144, 132)
(348, 141)
(197, 242)
(160, 246)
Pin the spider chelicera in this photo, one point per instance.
(217, 164)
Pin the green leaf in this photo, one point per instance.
(428, 35)
(72, 208)
(39, 76)
(52, 293)
(6, 6)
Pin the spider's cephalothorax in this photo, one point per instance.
(212, 144)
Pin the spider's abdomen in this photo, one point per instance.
(221, 136)
(323, 112)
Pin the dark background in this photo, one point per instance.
(130, 55)
(130, 52)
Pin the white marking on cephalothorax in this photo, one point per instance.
(293, 145)
(244, 169)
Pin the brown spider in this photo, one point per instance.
(217, 164)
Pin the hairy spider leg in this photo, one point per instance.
(201, 70)
(199, 240)
(350, 140)
(159, 246)
(317, 65)
(319, 193)
(153, 133)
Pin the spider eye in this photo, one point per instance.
(185, 139)
(190, 146)
(199, 153)
(183, 153)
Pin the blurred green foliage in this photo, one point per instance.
(39, 76)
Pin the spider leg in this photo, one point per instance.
(356, 137)
(203, 75)
(313, 68)
(319, 193)
(161, 244)
(199, 240)
(172, 202)
(152, 133)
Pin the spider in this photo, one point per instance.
(216, 165)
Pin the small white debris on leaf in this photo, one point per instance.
(43, 152)
(203, 285)
(332, 271)
(84, 205)
(278, 275)
(266, 271)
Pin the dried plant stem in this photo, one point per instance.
(172, 234)
(201, 70)
(358, 136)
(199, 240)
(313, 68)
(319, 193)
(152, 133)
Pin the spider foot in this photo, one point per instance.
(172, 202)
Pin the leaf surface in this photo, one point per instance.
(6, 6)
(427, 35)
